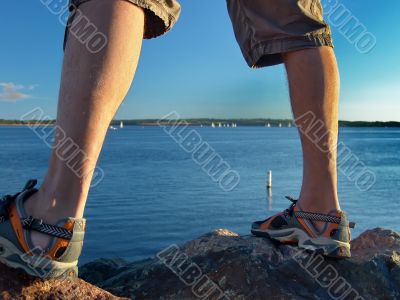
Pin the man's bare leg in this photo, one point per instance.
(92, 88)
(314, 87)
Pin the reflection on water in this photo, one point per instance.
(269, 198)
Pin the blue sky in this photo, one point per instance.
(197, 69)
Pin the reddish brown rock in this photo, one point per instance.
(376, 241)
(15, 284)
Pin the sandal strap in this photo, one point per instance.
(31, 223)
(5, 203)
(29, 185)
(316, 216)
(38, 225)
(320, 217)
(7, 200)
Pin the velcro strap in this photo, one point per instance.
(320, 217)
(36, 224)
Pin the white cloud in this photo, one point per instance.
(11, 92)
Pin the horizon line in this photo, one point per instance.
(202, 118)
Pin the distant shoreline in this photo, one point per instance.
(208, 123)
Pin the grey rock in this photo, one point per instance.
(229, 266)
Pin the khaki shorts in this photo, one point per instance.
(265, 29)
(160, 15)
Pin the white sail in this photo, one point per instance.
(121, 125)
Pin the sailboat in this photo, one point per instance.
(280, 124)
(289, 125)
(121, 125)
(219, 125)
(212, 125)
(268, 125)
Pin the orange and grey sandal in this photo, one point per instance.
(60, 258)
(296, 226)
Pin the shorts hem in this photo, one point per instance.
(269, 53)
(157, 20)
(151, 31)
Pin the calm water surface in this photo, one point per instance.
(153, 194)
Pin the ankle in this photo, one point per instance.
(42, 206)
(321, 204)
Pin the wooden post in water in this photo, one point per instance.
(269, 180)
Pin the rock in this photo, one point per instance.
(376, 240)
(224, 265)
(103, 269)
(15, 284)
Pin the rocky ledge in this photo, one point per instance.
(14, 284)
(224, 265)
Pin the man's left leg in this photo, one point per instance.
(93, 86)
(49, 220)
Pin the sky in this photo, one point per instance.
(197, 68)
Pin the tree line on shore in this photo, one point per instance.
(208, 122)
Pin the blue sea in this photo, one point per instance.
(154, 194)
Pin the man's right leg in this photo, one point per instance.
(93, 86)
(271, 32)
(314, 89)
